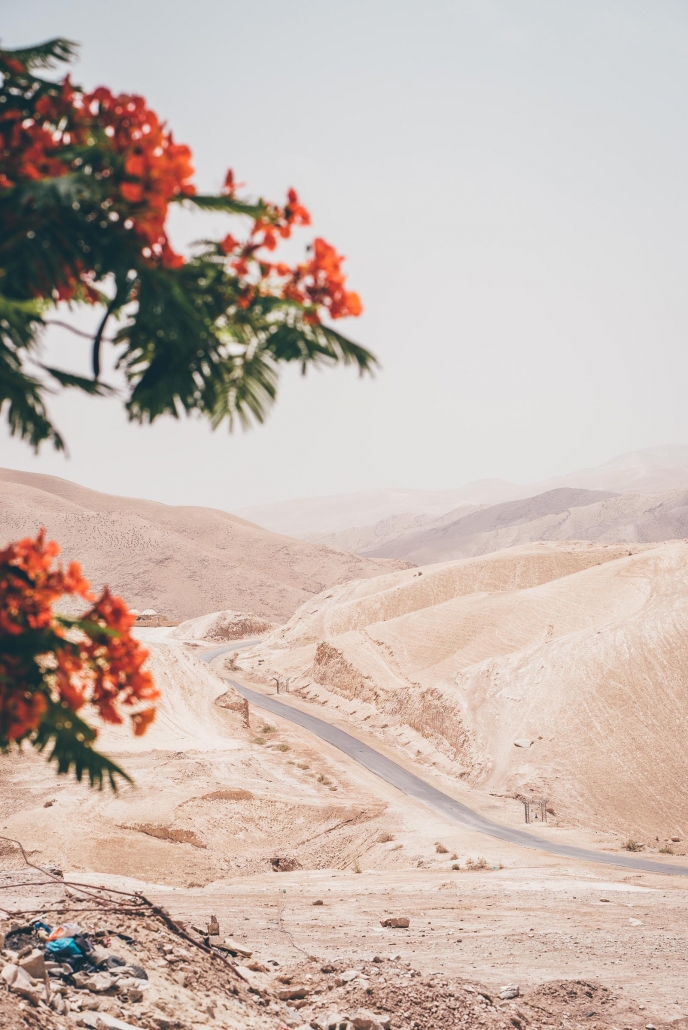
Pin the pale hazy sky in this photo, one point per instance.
(509, 182)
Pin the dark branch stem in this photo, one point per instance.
(77, 332)
(98, 338)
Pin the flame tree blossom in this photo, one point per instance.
(53, 669)
(86, 184)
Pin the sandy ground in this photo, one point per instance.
(530, 925)
(220, 810)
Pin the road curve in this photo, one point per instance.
(415, 787)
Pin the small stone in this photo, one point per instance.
(509, 991)
(396, 921)
(34, 964)
(292, 993)
(318, 902)
(256, 966)
(346, 977)
(523, 742)
(236, 949)
(57, 1003)
(21, 982)
(676, 840)
(363, 1020)
(335, 1021)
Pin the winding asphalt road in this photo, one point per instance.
(412, 785)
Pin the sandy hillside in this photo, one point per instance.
(581, 649)
(181, 561)
(222, 626)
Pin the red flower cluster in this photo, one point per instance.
(124, 146)
(127, 145)
(319, 284)
(91, 660)
(156, 168)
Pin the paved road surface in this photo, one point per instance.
(415, 787)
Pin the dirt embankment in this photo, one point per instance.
(579, 650)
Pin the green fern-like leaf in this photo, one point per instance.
(72, 747)
(46, 55)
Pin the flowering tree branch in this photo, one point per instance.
(86, 181)
(54, 668)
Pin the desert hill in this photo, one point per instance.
(581, 649)
(181, 561)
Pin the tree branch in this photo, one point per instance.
(77, 332)
(98, 338)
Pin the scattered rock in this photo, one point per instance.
(335, 1021)
(97, 982)
(19, 981)
(363, 1019)
(523, 742)
(234, 948)
(509, 991)
(346, 977)
(283, 864)
(33, 964)
(397, 921)
(318, 902)
(256, 966)
(292, 993)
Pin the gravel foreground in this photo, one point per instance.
(229, 985)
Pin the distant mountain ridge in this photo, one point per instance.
(562, 514)
(653, 470)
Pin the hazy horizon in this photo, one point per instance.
(507, 181)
